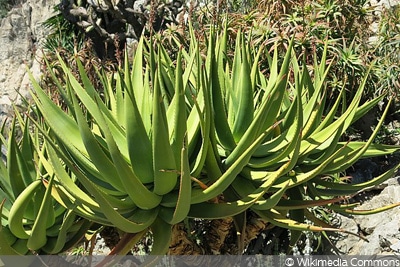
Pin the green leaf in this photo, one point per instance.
(5, 247)
(219, 108)
(265, 116)
(182, 206)
(38, 236)
(176, 114)
(138, 142)
(229, 175)
(140, 220)
(370, 211)
(280, 220)
(162, 233)
(17, 180)
(106, 168)
(163, 155)
(242, 91)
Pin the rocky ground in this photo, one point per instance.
(380, 231)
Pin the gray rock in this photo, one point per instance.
(395, 246)
(345, 242)
(21, 32)
(381, 229)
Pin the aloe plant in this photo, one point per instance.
(285, 138)
(200, 137)
(130, 151)
(32, 220)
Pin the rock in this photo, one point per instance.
(100, 247)
(21, 33)
(380, 229)
(384, 3)
(364, 171)
(345, 242)
(395, 246)
(5, 106)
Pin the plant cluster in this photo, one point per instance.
(212, 136)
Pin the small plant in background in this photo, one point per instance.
(63, 34)
(5, 6)
(387, 50)
(78, 251)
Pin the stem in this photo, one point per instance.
(217, 232)
(181, 244)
